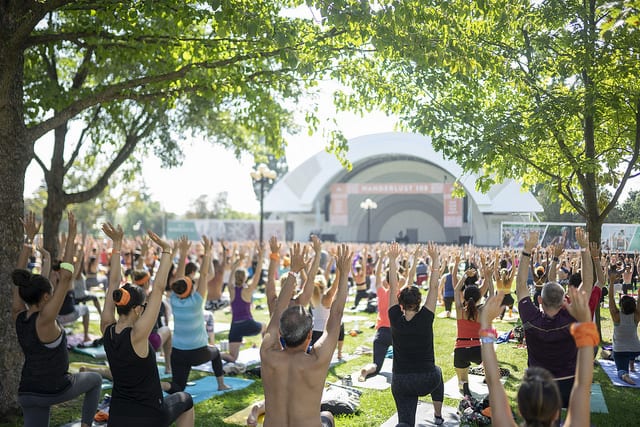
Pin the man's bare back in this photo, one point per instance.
(293, 379)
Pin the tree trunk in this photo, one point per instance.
(15, 154)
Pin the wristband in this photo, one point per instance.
(274, 256)
(294, 274)
(585, 334)
(67, 266)
(488, 333)
(166, 252)
(487, 340)
(525, 253)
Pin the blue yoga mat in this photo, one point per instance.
(207, 387)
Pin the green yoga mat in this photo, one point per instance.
(598, 405)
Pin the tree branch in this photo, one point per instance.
(80, 142)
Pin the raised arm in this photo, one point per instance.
(411, 277)
(204, 270)
(147, 320)
(394, 252)
(116, 234)
(613, 308)
(432, 294)
(274, 263)
(52, 308)
(31, 228)
(258, 271)
(379, 264)
(501, 414)
(582, 237)
(307, 289)
(521, 279)
(586, 337)
(287, 289)
(556, 251)
(487, 277)
(594, 250)
(183, 246)
(325, 346)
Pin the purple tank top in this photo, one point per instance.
(240, 309)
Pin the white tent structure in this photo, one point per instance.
(405, 176)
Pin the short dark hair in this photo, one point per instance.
(409, 297)
(295, 324)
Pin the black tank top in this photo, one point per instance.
(45, 369)
(136, 382)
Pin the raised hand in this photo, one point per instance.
(166, 246)
(530, 241)
(491, 309)
(317, 244)
(594, 248)
(298, 254)
(432, 250)
(274, 245)
(207, 243)
(31, 226)
(114, 233)
(579, 306)
(184, 244)
(582, 237)
(343, 259)
(394, 251)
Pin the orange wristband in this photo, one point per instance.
(585, 334)
(274, 256)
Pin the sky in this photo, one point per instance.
(210, 169)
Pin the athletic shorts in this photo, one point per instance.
(78, 311)
(462, 357)
(244, 328)
(448, 301)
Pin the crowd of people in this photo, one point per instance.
(159, 294)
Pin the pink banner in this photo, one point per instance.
(452, 216)
(339, 211)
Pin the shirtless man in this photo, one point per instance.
(292, 375)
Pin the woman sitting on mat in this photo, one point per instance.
(190, 339)
(45, 379)
(137, 394)
(241, 296)
(539, 400)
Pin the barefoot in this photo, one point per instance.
(627, 379)
(252, 419)
(363, 375)
(223, 387)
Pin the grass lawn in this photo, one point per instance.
(377, 406)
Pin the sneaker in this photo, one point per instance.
(465, 389)
(106, 401)
(438, 420)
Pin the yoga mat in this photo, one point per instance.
(479, 390)
(598, 404)
(240, 417)
(425, 416)
(74, 367)
(248, 357)
(609, 367)
(207, 387)
(345, 358)
(382, 381)
(95, 352)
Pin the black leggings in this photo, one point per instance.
(406, 388)
(359, 295)
(183, 360)
(381, 344)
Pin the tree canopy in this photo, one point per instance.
(543, 92)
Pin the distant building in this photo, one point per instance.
(411, 184)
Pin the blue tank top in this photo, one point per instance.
(189, 331)
(448, 286)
